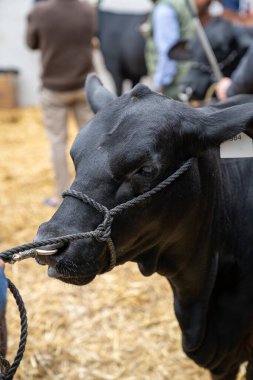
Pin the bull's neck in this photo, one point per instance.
(186, 261)
(191, 263)
(192, 283)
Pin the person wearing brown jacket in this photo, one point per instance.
(62, 30)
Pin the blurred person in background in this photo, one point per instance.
(233, 5)
(62, 30)
(241, 81)
(171, 21)
(240, 11)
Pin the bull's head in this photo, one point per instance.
(132, 144)
(229, 43)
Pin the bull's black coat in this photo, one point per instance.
(197, 232)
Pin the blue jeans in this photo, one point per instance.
(3, 330)
(3, 291)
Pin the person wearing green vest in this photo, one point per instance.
(171, 21)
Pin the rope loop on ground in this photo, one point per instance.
(23, 334)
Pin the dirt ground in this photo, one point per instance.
(119, 327)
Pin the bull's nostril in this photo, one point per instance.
(49, 254)
(185, 93)
(40, 261)
(46, 260)
(52, 272)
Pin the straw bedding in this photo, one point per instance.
(121, 326)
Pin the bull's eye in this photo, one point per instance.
(145, 171)
(136, 182)
(142, 179)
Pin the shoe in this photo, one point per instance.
(52, 202)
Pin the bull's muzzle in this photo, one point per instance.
(185, 93)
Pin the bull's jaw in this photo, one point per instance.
(70, 279)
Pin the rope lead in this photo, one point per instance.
(7, 370)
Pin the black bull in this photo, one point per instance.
(229, 43)
(197, 232)
(123, 46)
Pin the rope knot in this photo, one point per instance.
(105, 228)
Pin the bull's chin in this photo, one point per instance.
(70, 279)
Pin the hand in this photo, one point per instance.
(244, 19)
(222, 87)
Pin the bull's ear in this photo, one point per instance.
(224, 124)
(97, 95)
(205, 129)
(233, 101)
(181, 51)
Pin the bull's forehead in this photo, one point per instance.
(132, 112)
(136, 115)
(129, 129)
